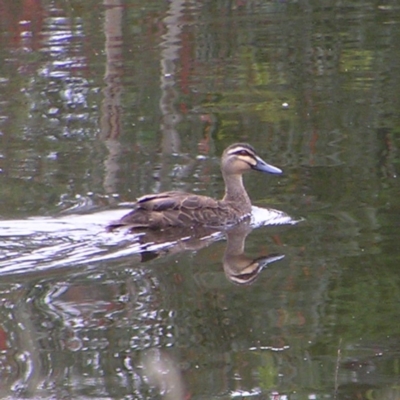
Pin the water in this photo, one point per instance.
(103, 102)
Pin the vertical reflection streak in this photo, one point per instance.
(170, 46)
(110, 123)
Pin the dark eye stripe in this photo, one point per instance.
(242, 153)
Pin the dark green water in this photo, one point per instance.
(103, 102)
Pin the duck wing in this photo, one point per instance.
(158, 211)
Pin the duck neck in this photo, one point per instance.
(235, 191)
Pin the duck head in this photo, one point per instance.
(241, 157)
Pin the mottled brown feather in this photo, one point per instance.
(178, 209)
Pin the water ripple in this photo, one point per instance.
(37, 244)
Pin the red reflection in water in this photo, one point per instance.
(3, 339)
(24, 20)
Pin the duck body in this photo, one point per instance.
(180, 209)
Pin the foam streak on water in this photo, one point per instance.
(37, 244)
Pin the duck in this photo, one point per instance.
(179, 209)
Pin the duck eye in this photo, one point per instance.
(242, 153)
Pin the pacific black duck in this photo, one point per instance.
(163, 210)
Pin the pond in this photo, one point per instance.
(103, 102)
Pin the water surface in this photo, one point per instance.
(103, 102)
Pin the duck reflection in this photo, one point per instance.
(239, 268)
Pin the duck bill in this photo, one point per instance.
(264, 167)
